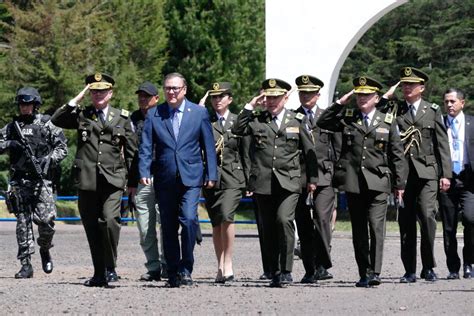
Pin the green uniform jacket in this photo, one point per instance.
(430, 153)
(232, 165)
(375, 153)
(327, 147)
(105, 148)
(277, 151)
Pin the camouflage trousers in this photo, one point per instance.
(37, 206)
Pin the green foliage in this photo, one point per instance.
(217, 41)
(436, 36)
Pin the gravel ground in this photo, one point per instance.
(62, 291)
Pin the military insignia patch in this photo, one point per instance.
(305, 79)
(124, 113)
(272, 83)
(407, 71)
(435, 106)
(362, 81)
(388, 118)
(215, 86)
(299, 116)
(349, 113)
(290, 130)
(98, 76)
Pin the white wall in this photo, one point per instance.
(315, 37)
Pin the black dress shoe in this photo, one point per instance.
(96, 282)
(363, 282)
(185, 279)
(428, 275)
(173, 281)
(286, 278)
(46, 261)
(151, 276)
(374, 279)
(308, 279)
(229, 278)
(276, 281)
(468, 271)
(111, 275)
(408, 278)
(453, 276)
(266, 276)
(323, 274)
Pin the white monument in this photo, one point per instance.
(315, 37)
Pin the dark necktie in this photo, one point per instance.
(311, 118)
(221, 123)
(366, 121)
(412, 111)
(101, 115)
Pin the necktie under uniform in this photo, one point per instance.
(366, 121)
(412, 111)
(101, 116)
(311, 117)
(175, 122)
(221, 123)
(457, 167)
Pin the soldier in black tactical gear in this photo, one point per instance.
(34, 146)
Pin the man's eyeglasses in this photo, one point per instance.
(174, 89)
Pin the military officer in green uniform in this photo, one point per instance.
(426, 146)
(105, 148)
(371, 165)
(279, 137)
(314, 221)
(224, 198)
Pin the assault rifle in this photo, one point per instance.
(30, 154)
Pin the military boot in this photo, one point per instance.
(46, 261)
(26, 270)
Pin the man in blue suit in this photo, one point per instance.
(179, 133)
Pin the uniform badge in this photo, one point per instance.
(375, 122)
(299, 116)
(388, 118)
(98, 76)
(305, 79)
(380, 145)
(435, 106)
(272, 83)
(407, 71)
(362, 81)
(349, 113)
(94, 117)
(359, 122)
(124, 113)
(292, 130)
(215, 86)
(286, 120)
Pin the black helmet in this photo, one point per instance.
(28, 95)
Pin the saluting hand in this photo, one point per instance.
(389, 94)
(311, 187)
(257, 101)
(345, 98)
(78, 98)
(204, 98)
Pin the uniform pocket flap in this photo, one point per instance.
(328, 165)
(236, 166)
(294, 173)
(78, 163)
(383, 170)
(430, 160)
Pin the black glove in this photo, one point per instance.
(44, 164)
(12, 144)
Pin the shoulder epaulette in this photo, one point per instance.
(349, 113)
(388, 118)
(435, 106)
(124, 113)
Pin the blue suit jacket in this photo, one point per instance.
(183, 157)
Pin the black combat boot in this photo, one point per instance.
(26, 270)
(46, 261)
